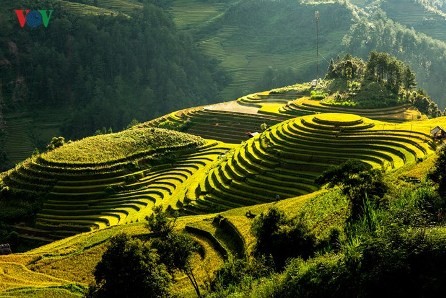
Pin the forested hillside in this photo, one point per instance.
(267, 44)
(102, 70)
(100, 64)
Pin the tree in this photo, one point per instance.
(438, 173)
(357, 182)
(56, 142)
(282, 238)
(176, 251)
(409, 79)
(130, 268)
(160, 223)
(264, 227)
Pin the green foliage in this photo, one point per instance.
(394, 257)
(237, 271)
(350, 68)
(160, 223)
(56, 142)
(382, 81)
(132, 123)
(357, 183)
(318, 94)
(383, 68)
(128, 70)
(424, 54)
(424, 103)
(282, 238)
(438, 173)
(130, 268)
(176, 251)
(415, 207)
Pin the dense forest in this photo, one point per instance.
(104, 71)
(101, 64)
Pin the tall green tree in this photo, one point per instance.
(176, 252)
(130, 268)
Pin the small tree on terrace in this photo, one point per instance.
(56, 142)
(129, 268)
(282, 238)
(357, 182)
(175, 250)
(160, 223)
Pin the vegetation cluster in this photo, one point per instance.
(390, 243)
(381, 81)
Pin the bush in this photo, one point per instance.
(55, 142)
(282, 238)
(235, 271)
(395, 263)
(358, 183)
(317, 94)
(438, 173)
(130, 268)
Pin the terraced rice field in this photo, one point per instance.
(260, 98)
(415, 15)
(225, 126)
(188, 14)
(104, 7)
(80, 197)
(306, 106)
(284, 161)
(13, 276)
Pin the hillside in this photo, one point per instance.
(332, 187)
(267, 44)
(86, 191)
(261, 148)
(95, 68)
(233, 48)
(65, 267)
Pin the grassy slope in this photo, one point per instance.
(71, 260)
(74, 258)
(115, 146)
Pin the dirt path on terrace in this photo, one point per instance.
(232, 106)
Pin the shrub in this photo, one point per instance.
(394, 263)
(282, 238)
(318, 94)
(438, 173)
(235, 271)
(130, 268)
(358, 183)
(55, 142)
